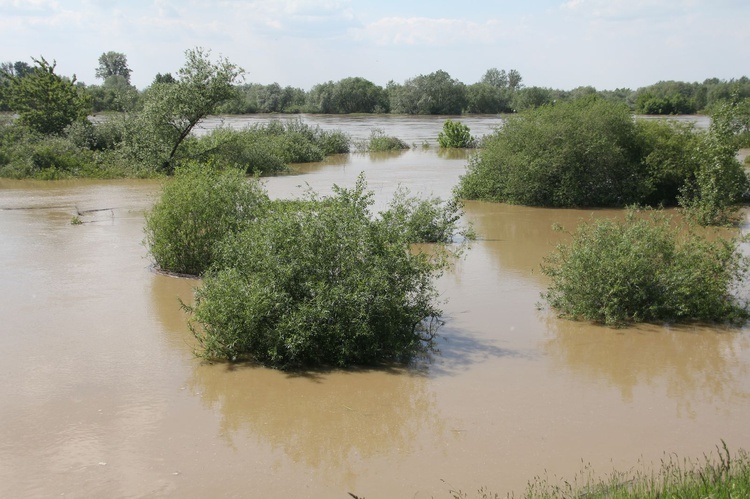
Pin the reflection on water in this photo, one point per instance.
(328, 421)
(102, 396)
(520, 237)
(696, 365)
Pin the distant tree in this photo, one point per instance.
(531, 97)
(320, 98)
(164, 78)
(514, 79)
(114, 95)
(358, 95)
(484, 98)
(45, 101)
(436, 93)
(497, 78)
(111, 64)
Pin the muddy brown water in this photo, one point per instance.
(102, 395)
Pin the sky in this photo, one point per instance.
(561, 44)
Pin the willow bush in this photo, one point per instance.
(591, 153)
(579, 153)
(380, 142)
(456, 135)
(646, 269)
(319, 281)
(197, 209)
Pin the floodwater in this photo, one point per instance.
(103, 397)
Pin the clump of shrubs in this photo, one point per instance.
(380, 142)
(590, 152)
(313, 281)
(646, 269)
(456, 135)
(267, 148)
(198, 207)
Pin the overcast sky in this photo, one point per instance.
(553, 43)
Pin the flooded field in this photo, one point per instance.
(103, 397)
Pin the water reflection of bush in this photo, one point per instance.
(519, 237)
(696, 365)
(327, 421)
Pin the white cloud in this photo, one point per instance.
(429, 31)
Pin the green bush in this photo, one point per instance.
(196, 210)
(380, 142)
(266, 149)
(645, 269)
(425, 220)
(456, 135)
(318, 282)
(579, 153)
(670, 158)
(720, 182)
(25, 153)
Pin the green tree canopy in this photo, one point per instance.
(45, 101)
(113, 64)
(171, 110)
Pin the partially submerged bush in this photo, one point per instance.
(267, 149)
(579, 153)
(319, 282)
(426, 220)
(197, 209)
(590, 152)
(644, 269)
(456, 135)
(380, 142)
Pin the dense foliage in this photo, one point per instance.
(380, 142)
(198, 208)
(455, 135)
(646, 269)
(581, 153)
(590, 152)
(267, 149)
(319, 282)
(719, 181)
(45, 101)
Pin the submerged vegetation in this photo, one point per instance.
(52, 138)
(456, 135)
(317, 281)
(646, 269)
(380, 142)
(590, 152)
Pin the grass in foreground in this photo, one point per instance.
(722, 475)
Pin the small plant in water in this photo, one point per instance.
(456, 135)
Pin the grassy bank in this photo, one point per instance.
(717, 475)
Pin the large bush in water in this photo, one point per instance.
(646, 269)
(319, 282)
(579, 153)
(197, 209)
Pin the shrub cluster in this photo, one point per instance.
(380, 142)
(199, 207)
(646, 269)
(81, 150)
(456, 135)
(305, 282)
(269, 148)
(590, 152)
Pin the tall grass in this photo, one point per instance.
(720, 475)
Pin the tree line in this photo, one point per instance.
(437, 93)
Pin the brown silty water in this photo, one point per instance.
(103, 397)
